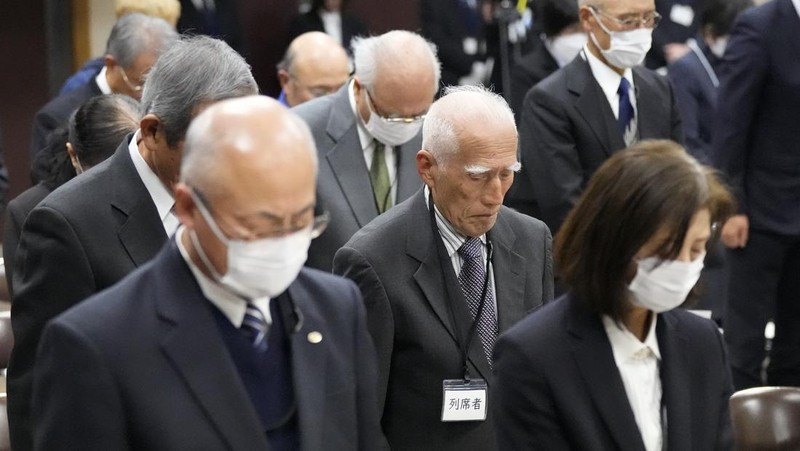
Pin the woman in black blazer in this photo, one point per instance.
(613, 365)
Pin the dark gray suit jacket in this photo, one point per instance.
(144, 366)
(395, 262)
(558, 387)
(343, 184)
(568, 130)
(85, 236)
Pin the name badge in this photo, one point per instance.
(682, 15)
(464, 400)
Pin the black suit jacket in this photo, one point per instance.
(756, 134)
(57, 112)
(143, 366)
(15, 213)
(568, 130)
(311, 21)
(395, 262)
(557, 386)
(444, 25)
(223, 24)
(84, 237)
(343, 184)
(697, 98)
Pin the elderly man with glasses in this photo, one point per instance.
(367, 134)
(596, 105)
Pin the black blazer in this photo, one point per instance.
(557, 386)
(311, 21)
(57, 112)
(16, 212)
(756, 133)
(394, 260)
(225, 23)
(142, 366)
(568, 130)
(84, 237)
(444, 25)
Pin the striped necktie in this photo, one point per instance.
(255, 327)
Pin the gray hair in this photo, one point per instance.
(134, 34)
(457, 109)
(194, 71)
(373, 53)
(201, 157)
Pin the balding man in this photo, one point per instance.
(224, 341)
(367, 134)
(97, 228)
(432, 265)
(134, 45)
(314, 65)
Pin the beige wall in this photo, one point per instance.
(101, 19)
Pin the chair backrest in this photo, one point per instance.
(6, 338)
(766, 418)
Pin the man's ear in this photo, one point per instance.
(184, 204)
(73, 158)
(425, 166)
(283, 78)
(152, 132)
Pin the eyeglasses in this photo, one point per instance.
(650, 20)
(391, 119)
(135, 88)
(268, 226)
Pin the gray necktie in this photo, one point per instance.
(471, 279)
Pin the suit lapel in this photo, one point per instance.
(140, 231)
(592, 104)
(309, 362)
(194, 346)
(649, 111)
(347, 160)
(408, 180)
(509, 279)
(790, 21)
(442, 290)
(595, 361)
(675, 382)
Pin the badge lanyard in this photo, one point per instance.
(444, 259)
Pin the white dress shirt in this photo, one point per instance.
(609, 82)
(368, 145)
(797, 6)
(332, 24)
(231, 305)
(102, 82)
(162, 198)
(638, 363)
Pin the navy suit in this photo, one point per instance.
(757, 144)
(143, 366)
(696, 94)
(557, 386)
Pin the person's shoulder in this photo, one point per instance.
(82, 193)
(544, 324)
(522, 223)
(385, 230)
(326, 293)
(318, 109)
(689, 322)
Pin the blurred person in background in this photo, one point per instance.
(314, 65)
(330, 17)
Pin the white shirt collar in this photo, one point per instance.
(608, 78)
(231, 305)
(162, 198)
(364, 137)
(102, 82)
(626, 346)
(797, 6)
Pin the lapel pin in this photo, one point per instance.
(314, 337)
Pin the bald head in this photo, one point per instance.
(314, 65)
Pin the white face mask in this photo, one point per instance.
(565, 48)
(718, 46)
(662, 285)
(390, 133)
(627, 48)
(258, 268)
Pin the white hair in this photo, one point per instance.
(372, 54)
(459, 108)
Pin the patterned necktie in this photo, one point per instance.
(379, 176)
(255, 328)
(471, 279)
(625, 111)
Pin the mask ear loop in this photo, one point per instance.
(203, 257)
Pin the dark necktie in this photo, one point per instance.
(379, 176)
(625, 110)
(255, 328)
(471, 279)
